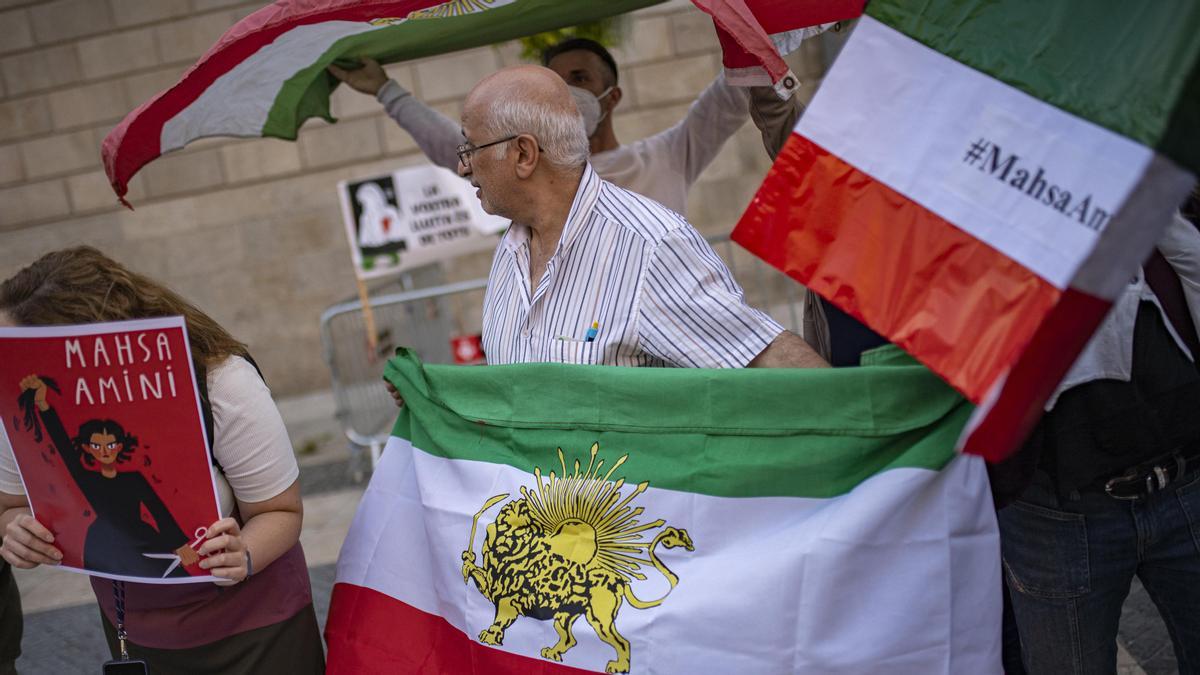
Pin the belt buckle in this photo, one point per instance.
(1156, 479)
(1121, 480)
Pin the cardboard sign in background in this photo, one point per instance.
(411, 217)
(141, 377)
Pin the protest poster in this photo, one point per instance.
(104, 422)
(411, 217)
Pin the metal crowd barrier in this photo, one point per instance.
(421, 319)
(425, 319)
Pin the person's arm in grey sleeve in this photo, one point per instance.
(436, 134)
(716, 114)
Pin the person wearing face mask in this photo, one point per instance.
(662, 167)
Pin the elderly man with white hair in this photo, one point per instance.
(589, 272)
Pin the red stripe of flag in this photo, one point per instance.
(957, 304)
(1005, 422)
(370, 632)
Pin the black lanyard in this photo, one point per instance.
(119, 603)
(123, 665)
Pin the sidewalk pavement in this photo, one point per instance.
(62, 630)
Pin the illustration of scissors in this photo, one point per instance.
(200, 533)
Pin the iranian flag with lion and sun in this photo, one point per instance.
(552, 518)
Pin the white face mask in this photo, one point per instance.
(589, 107)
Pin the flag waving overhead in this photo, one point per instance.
(978, 181)
(551, 518)
(266, 75)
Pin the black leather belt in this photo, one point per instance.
(1150, 477)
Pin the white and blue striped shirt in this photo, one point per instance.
(658, 293)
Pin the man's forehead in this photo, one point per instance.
(475, 110)
(578, 59)
(468, 120)
(472, 122)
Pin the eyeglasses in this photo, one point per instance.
(467, 149)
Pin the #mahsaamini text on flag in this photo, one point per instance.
(977, 180)
(562, 518)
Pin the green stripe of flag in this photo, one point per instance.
(306, 94)
(1131, 67)
(729, 433)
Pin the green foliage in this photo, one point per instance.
(608, 32)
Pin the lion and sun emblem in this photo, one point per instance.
(570, 547)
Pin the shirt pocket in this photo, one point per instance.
(555, 350)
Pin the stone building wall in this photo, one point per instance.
(250, 230)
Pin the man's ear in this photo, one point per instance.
(528, 155)
(614, 97)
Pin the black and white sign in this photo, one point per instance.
(412, 217)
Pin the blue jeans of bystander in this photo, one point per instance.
(1069, 564)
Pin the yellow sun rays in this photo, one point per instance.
(452, 8)
(591, 496)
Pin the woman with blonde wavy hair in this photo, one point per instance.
(259, 618)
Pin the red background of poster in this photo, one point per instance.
(170, 431)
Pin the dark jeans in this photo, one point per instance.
(1069, 564)
(11, 621)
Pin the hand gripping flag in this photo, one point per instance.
(977, 181)
(755, 33)
(551, 518)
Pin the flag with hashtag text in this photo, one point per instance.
(977, 181)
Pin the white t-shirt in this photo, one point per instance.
(251, 445)
(664, 166)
